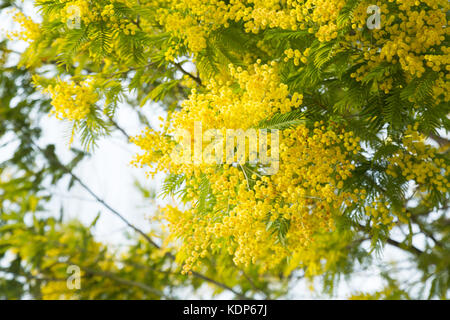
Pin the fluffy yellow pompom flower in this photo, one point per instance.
(72, 101)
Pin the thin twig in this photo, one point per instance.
(195, 78)
(412, 249)
(116, 125)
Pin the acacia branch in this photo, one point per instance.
(426, 231)
(195, 78)
(116, 125)
(440, 140)
(411, 249)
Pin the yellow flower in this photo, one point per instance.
(72, 101)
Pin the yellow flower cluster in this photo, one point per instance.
(304, 195)
(410, 34)
(327, 32)
(81, 9)
(261, 94)
(108, 10)
(187, 28)
(193, 20)
(245, 209)
(72, 101)
(418, 162)
(29, 29)
(441, 90)
(297, 55)
(380, 213)
(89, 12)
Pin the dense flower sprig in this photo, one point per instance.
(419, 163)
(72, 101)
(305, 193)
(412, 31)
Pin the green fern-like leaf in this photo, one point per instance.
(282, 121)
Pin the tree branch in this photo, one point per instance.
(440, 140)
(116, 125)
(195, 78)
(402, 246)
(395, 243)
